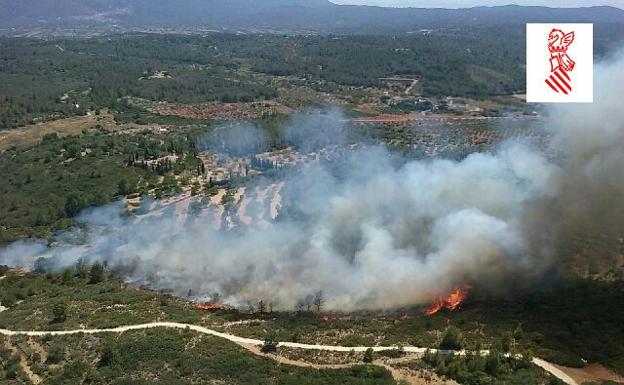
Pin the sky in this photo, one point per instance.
(472, 3)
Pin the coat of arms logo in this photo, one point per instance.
(561, 65)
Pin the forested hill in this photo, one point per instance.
(295, 15)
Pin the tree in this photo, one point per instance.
(261, 307)
(300, 306)
(73, 204)
(56, 354)
(42, 265)
(81, 269)
(493, 363)
(123, 187)
(59, 313)
(507, 342)
(96, 273)
(452, 340)
(318, 301)
(369, 355)
(526, 359)
(66, 275)
(108, 355)
(8, 299)
(73, 150)
(269, 345)
(40, 219)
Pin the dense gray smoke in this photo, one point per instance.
(590, 138)
(374, 235)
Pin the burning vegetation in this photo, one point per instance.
(451, 301)
(211, 306)
(374, 229)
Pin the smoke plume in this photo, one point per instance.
(374, 233)
(235, 139)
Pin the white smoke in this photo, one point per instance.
(375, 235)
(235, 139)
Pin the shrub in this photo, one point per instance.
(96, 273)
(108, 355)
(56, 354)
(269, 346)
(393, 353)
(452, 340)
(369, 355)
(59, 313)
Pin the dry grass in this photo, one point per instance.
(32, 134)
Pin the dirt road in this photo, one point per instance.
(249, 341)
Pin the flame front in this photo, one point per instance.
(210, 306)
(452, 301)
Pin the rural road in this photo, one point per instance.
(249, 341)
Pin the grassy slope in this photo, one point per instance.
(170, 357)
(580, 320)
(101, 305)
(574, 321)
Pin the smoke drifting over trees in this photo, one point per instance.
(382, 235)
(235, 139)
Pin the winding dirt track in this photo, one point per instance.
(249, 341)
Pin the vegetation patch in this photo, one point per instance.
(161, 356)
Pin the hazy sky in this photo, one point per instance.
(472, 3)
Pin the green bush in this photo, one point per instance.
(59, 313)
(269, 346)
(392, 353)
(452, 340)
(369, 355)
(96, 273)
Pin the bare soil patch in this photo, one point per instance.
(33, 133)
(591, 373)
(24, 364)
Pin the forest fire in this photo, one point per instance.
(210, 306)
(452, 301)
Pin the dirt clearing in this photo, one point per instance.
(591, 373)
(33, 133)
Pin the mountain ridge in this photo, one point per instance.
(315, 15)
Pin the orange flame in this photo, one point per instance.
(210, 306)
(452, 301)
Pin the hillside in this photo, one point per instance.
(298, 15)
(549, 323)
